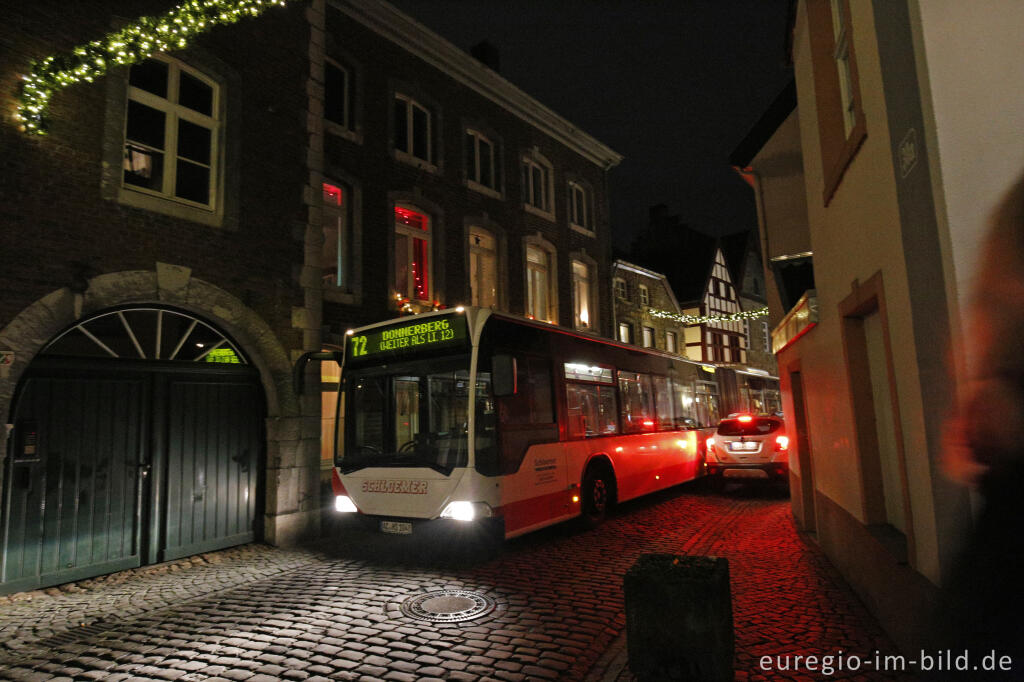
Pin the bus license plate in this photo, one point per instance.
(396, 527)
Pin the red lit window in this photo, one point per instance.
(412, 254)
(336, 254)
(332, 195)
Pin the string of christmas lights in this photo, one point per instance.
(704, 319)
(170, 31)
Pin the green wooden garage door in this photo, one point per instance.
(122, 461)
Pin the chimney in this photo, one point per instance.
(487, 55)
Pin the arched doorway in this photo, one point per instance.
(138, 438)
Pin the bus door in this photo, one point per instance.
(530, 457)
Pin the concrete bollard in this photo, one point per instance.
(679, 618)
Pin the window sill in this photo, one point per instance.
(484, 189)
(341, 131)
(548, 215)
(170, 207)
(415, 161)
(582, 230)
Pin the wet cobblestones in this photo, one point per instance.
(256, 614)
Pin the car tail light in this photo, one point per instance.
(781, 443)
(745, 418)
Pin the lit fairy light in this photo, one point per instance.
(704, 319)
(147, 36)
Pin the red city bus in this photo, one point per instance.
(470, 415)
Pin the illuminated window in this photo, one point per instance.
(335, 256)
(412, 129)
(644, 294)
(625, 332)
(172, 124)
(412, 254)
(337, 94)
(483, 163)
(540, 298)
(582, 293)
(483, 268)
(579, 208)
(670, 342)
(648, 337)
(841, 126)
(538, 185)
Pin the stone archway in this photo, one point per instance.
(292, 500)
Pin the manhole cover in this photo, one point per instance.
(448, 606)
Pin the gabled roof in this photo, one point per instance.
(773, 117)
(401, 29)
(734, 248)
(620, 264)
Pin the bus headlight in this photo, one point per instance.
(466, 511)
(344, 504)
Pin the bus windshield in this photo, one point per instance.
(408, 414)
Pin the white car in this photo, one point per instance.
(746, 446)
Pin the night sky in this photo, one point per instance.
(673, 85)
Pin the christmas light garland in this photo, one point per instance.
(169, 31)
(704, 319)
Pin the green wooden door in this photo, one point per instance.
(116, 464)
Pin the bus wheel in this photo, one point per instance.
(598, 485)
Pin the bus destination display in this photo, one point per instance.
(407, 339)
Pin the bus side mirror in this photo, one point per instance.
(299, 368)
(503, 376)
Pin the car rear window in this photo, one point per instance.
(758, 426)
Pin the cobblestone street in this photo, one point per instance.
(256, 613)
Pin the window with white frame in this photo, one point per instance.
(172, 127)
(337, 94)
(412, 254)
(670, 342)
(539, 279)
(648, 337)
(625, 332)
(579, 207)
(582, 295)
(538, 184)
(483, 162)
(337, 248)
(413, 128)
(483, 268)
(644, 294)
(619, 285)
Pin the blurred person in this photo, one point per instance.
(982, 607)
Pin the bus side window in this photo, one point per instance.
(636, 402)
(532, 403)
(591, 410)
(663, 403)
(685, 410)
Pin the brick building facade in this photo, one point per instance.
(191, 224)
(637, 291)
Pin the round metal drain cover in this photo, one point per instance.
(448, 606)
